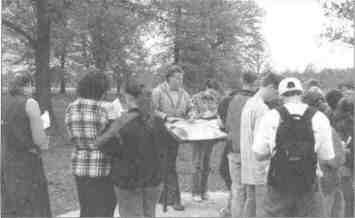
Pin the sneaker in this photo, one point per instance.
(196, 198)
(224, 212)
(205, 196)
(178, 207)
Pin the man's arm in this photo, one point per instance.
(324, 140)
(156, 95)
(189, 104)
(262, 157)
(113, 130)
(264, 136)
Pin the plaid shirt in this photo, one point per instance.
(85, 119)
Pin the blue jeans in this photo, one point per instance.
(201, 153)
(138, 202)
(335, 204)
(243, 203)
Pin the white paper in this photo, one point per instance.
(114, 108)
(196, 130)
(46, 120)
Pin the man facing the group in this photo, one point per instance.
(170, 100)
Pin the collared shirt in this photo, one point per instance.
(85, 120)
(253, 171)
(266, 133)
(165, 103)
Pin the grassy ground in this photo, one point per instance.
(57, 164)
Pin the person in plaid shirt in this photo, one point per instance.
(85, 119)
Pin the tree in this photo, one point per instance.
(22, 17)
(108, 36)
(62, 37)
(208, 37)
(340, 14)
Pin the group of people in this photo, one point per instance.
(296, 142)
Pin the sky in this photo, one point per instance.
(292, 31)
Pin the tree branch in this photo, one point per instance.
(134, 7)
(19, 30)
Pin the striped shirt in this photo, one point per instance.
(253, 171)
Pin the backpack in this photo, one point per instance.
(294, 161)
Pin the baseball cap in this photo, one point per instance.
(290, 84)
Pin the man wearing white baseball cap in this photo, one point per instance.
(294, 137)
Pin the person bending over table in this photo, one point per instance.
(170, 100)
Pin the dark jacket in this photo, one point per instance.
(135, 157)
(233, 119)
(223, 105)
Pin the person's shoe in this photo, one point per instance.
(178, 207)
(205, 196)
(196, 198)
(224, 212)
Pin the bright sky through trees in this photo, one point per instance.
(292, 30)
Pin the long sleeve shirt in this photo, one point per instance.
(167, 102)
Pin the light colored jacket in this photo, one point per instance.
(253, 171)
(331, 176)
(164, 104)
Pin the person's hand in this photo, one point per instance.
(33, 151)
(171, 119)
(191, 119)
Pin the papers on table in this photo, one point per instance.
(196, 130)
(114, 108)
(46, 120)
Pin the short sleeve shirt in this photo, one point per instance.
(266, 134)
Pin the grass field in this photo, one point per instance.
(57, 164)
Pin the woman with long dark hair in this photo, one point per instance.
(86, 119)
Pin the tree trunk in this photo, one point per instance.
(177, 35)
(42, 49)
(84, 52)
(62, 75)
(118, 84)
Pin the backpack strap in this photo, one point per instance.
(284, 114)
(309, 113)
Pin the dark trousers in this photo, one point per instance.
(201, 152)
(24, 189)
(171, 188)
(277, 204)
(224, 165)
(348, 191)
(139, 202)
(96, 196)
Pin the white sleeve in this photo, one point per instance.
(265, 134)
(323, 137)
